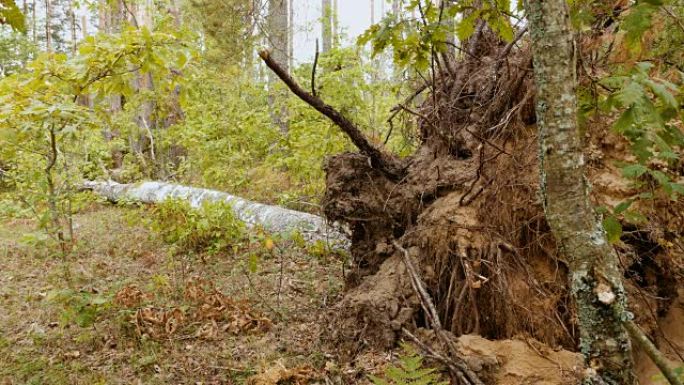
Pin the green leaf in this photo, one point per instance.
(12, 16)
(622, 207)
(634, 171)
(631, 94)
(613, 229)
(625, 122)
(635, 217)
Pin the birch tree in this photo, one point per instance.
(596, 282)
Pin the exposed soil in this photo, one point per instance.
(468, 210)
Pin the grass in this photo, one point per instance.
(55, 333)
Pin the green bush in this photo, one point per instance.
(212, 227)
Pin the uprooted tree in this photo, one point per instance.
(495, 259)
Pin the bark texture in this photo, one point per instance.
(596, 281)
(273, 218)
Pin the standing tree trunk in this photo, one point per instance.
(290, 36)
(72, 20)
(596, 281)
(48, 29)
(372, 9)
(278, 38)
(335, 24)
(326, 24)
(34, 22)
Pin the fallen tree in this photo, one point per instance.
(275, 219)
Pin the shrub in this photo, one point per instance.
(212, 227)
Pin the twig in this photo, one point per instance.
(418, 286)
(313, 72)
(510, 45)
(653, 353)
(677, 20)
(387, 163)
(399, 107)
(433, 317)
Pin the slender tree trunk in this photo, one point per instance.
(72, 17)
(84, 26)
(102, 17)
(335, 24)
(291, 31)
(278, 36)
(596, 281)
(326, 25)
(48, 29)
(34, 22)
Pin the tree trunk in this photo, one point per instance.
(335, 24)
(72, 19)
(372, 11)
(278, 39)
(596, 282)
(290, 35)
(48, 32)
(326, 25)
(273, 218)
(34, 22)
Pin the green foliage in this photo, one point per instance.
(411, 371)
(11, 15)
(414, 40)
(212, 227)
(649, 116)
(16, 49)
(50, 140)
(647, 98)
(231, 143)
(79, 307)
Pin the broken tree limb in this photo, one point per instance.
(387, 163)
(272, 218)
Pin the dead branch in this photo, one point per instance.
(385, 162)
(428, 306)
(313, 71)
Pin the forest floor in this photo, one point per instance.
(135, 313)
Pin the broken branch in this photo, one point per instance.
(387, 163)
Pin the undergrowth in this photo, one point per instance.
(410, 371)
(212, 227)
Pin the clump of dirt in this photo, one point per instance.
(517, 362)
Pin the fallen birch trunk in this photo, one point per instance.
(275, 219)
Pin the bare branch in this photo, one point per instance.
(385, 162)
(653, 353)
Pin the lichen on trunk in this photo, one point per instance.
(595, 278)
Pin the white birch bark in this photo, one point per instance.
(275, 219)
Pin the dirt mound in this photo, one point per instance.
(467, 208)
(516, 362)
